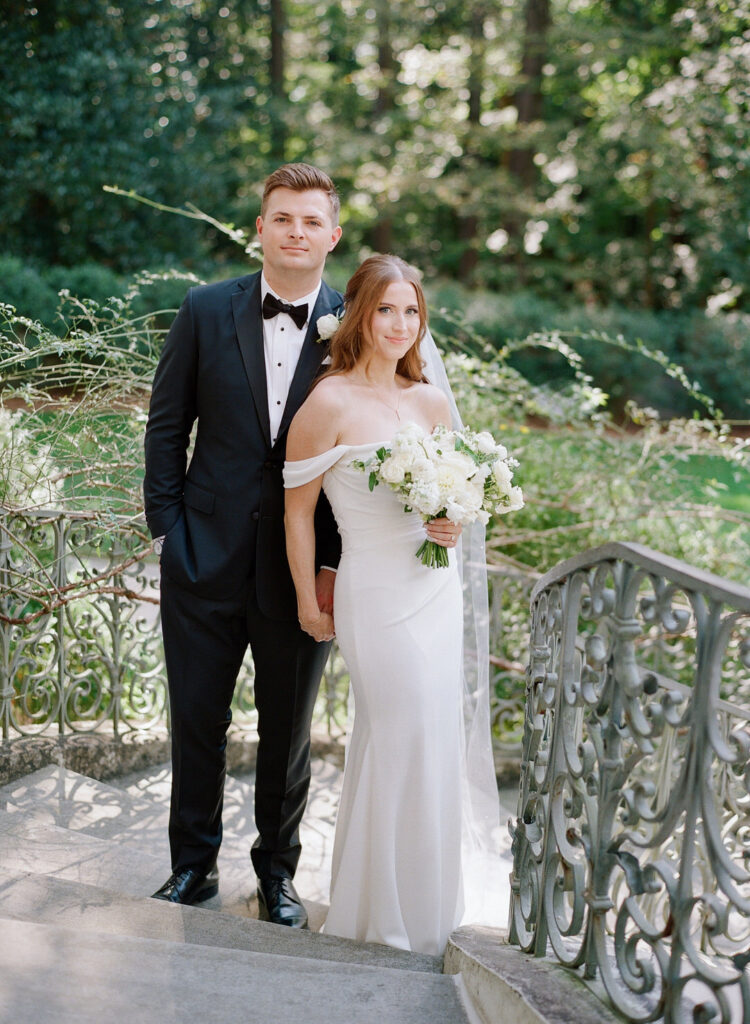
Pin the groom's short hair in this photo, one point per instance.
(302, 178)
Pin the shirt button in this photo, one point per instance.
(278, 364)
(278, 403)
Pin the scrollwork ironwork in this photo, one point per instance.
(632, 844)
(80, 641)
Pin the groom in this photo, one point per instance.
(239, 359)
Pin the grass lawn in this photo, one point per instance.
(718, 480)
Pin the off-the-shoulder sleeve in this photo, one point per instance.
(296, 474)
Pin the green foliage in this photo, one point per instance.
(613, 343)
(24, 287)
(635, 192)
(79, 391)
(75, 441)
(85, 106)
(92, 280)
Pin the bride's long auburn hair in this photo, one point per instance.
(364, 293)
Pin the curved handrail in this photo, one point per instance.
(654, 562)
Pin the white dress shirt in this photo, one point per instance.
(282, 344)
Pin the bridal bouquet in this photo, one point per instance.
(457, 474)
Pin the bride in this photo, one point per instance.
(401, 859)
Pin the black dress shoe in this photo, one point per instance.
(279, 903)
(189, 886)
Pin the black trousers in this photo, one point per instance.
(204, 644)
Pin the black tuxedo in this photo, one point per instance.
(225, 577)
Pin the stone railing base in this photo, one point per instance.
(507, 986)
(101, 756)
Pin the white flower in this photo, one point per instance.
(327, 326)
(423, 468)
(409, 433)
(454, 469)
(485, 442)
(502, 475)
(424, 496)
(394, 468)
(458, 474)
(516, 499)
(455, 512)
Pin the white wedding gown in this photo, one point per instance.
(397, 871)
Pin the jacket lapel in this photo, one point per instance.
(249, 327)
(312, 355)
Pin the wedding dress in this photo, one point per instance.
(400, 857)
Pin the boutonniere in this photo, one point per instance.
(327, 326)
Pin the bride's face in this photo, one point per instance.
(394, 326)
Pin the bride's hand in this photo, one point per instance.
(319, 629)
(443, 531)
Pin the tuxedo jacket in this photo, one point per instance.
(222, 511)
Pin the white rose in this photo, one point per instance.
(485, 442)
(459, 463)
(502, 474)
(394, 468)
(409, 432)
(516, 499)
(327, 326)
(469, 500)
(423, 469)
(457, 513)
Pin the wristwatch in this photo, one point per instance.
(158, 544)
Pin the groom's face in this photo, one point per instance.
(297, 232)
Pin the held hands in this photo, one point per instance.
(321, 628)
(443, 531)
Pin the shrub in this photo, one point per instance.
(24, 287)
(86, 281)
(714, 350)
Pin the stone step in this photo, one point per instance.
(58, 796)
(28, 845)
(131, 868)
(58, 901)
(69, 976)
(63, 797)
(317, 830)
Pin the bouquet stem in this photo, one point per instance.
(432, 554)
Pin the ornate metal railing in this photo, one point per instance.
(79, 644)
(80, 641)
(80, 638)
(632, 841)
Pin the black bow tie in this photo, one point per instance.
(272, 306)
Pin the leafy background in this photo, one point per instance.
(571, 177)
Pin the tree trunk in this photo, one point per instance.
(468, 222)
(382, 234)
(277, 80)
(528, 99)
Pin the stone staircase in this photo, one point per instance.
(81, 941)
